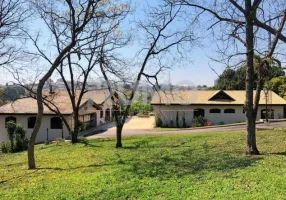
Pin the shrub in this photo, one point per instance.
(165, 126)
(177, 120)
(221, 123)
(184, 120)
(82, 126)
(6, 147)
(21, 140)
(172, 123)
(158, 122)
(199, 121)
(11, 127)
(17, 137)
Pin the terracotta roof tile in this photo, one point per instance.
(60, 99)
(203, 97)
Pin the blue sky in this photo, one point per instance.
(196, 71)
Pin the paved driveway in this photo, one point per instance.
(137, 132)
(135, 123)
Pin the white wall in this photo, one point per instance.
(168, 113)
(87, 109)
(42, 135)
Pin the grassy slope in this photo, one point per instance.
(198, 166)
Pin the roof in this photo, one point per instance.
(211, 97)
(60, 99)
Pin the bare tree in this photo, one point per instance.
(244, 20)
(76, 69)
(80, 70)
(68, 25)
(13, 14)
(160, 40)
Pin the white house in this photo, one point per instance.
(95, 109)
(218, 107)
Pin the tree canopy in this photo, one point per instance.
(234, 79)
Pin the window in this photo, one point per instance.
(270, 113)
(215, 110)
(199, 112)
(56, 123)
(31, 122)
(107, 115)
(101, 114)
(229, 110)
(7, 119)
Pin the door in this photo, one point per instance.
(93, 119)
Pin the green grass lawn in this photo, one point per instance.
(194, 166)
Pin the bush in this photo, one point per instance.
(82, 126)
(199, 121)
(17, 137)
(6, 147)
(184, 120)
(221, 123)
(158, 122)
(11, 127)
(165, 126)
(172, 123)
(21, 140)
(177, 120)
(139, 107)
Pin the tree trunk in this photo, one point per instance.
(31, 154)
(76, 129)
(119, 135)
(251, 129)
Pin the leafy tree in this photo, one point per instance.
(232, 79)
(11, 127)
(140, 107)
(277, 85)
(240, 21)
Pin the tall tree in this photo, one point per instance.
(243, 20)
(161, 42)
(234, 79)
(75, 70)
(67, 23)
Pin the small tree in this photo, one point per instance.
(21, 139)
(17, 134)
(177, 120)
(184, 120)
(158, 122)
(11, 127)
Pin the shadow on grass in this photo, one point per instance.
(280, 153)
(73, 168)
(25, 175)
(138, 144)
(186, 163)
